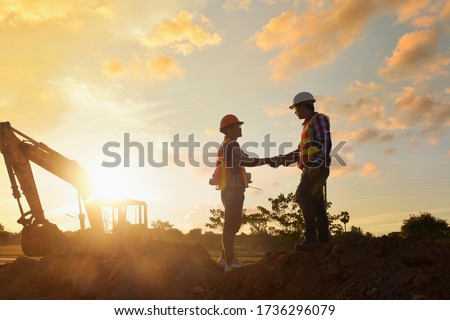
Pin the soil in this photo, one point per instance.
(365, 268)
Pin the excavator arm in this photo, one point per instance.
(39, 236)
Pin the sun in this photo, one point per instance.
(114, 196)
(109, 185)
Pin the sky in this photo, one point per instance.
(83, 75)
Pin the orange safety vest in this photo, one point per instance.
(306, 147)
(223, 173)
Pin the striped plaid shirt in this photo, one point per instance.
(319, 131)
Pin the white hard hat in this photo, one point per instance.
(302, 97)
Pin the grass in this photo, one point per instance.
(11, 251)
(244, 256)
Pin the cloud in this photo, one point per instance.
(445, 13)
(368, 108)
(370, 170)
(158, 69)
(392, 123)
(181, 34)
(420, 13)
(210, 132)
(424, 22)
(424, 111)
(358, 86)
(433, 141)
(386, 137)
(365, 109)
(341, 135)
(412, 104)
(34, 12)
(315, 4)
(46, 42)
(38, 41)
(339, 172)
(108, 13)
(416, 58)
(348, 156)
(328, 32)
(390, 151)
(406, 10)
(413, 143)
(277, 111)
(364, 135)
(331, 105)
(234, 5)
(318, 34)
(198, 216)
(163, 67)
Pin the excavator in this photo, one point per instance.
(40, 237)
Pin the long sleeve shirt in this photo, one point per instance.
(236, 158)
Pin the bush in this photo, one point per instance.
(425, 226)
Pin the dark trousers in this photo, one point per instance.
(311, 200)
(233, 202)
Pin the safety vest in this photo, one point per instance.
(223, 173)
(306, 147)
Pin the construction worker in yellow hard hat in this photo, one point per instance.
(231, 179)
(313, 158)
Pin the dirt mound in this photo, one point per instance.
(153, 271)
(378, 268)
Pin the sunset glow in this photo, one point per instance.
(77, 75)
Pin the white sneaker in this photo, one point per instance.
(221, 262)
(236, 261)
(232, 266)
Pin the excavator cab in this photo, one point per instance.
(124, 213)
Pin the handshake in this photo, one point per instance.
(276, 161)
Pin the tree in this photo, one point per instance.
(195, 233)
(161, 225)
(358, 231)
(286, 215)
(218, 216)
(344, 218)
(4, 235)
(259, 221)
(194, 236)
(284, 220)
(425, 226)
(335, 228)
(164, 230)
(216, 219)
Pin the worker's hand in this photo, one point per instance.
(313, 175)
(272, 162)
(275, 162)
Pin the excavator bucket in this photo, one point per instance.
(43, 240)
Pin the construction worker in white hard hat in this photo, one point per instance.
(232, 180)
(313, 157)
